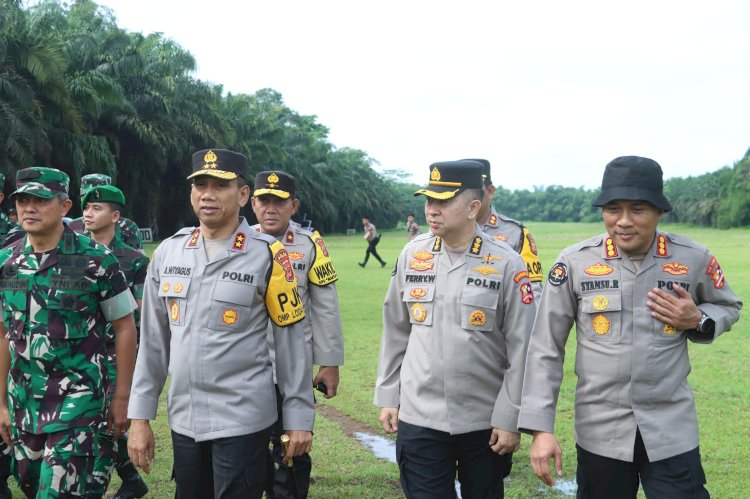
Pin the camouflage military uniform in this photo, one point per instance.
(56, 307)
(134, 265)
(6, 226)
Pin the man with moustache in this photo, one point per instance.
(210, 294)
(274, 202)
(456, 322)
(636, 295)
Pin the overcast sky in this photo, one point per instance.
(548, 91)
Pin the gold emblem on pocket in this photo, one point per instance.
(601, 324)
(478, 318)
(178, 288)
(601, 303)
(418, 312)
(165, 287)
(418, 293)
(229, 316)
(174, 311)
(669, 329)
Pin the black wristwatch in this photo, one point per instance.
(706, 325)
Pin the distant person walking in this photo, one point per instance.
(412, 227)
(373, 238)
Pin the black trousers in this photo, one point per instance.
(279, 484)
(371, 249)
(225, 468)
(677, 477)
(429, 460)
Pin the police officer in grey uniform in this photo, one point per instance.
(274, 203)
(209, 296)
(456, 323)
(509, 231)
(636, 296)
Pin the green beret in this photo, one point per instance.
(103, 194)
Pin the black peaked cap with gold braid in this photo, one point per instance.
(449, 178)
(276, 183)
(219, 163)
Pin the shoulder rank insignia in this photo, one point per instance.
(423, 255)
(239, 241)
(610, 250)
(486, 270)
(296, 255)
(289, 239)
(492, 220)
(674, 268)
(420, 266)
(438, 244)
(661, 246)
(476, 246)
(600, 324)
(194, 238)
(599, 269)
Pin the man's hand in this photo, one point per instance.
(544, 447)
(504, 442)
(389, 419)
(678, 311)
(141, 444)
(117, 417)
(5, 424)
(330, 376)
(300, 442)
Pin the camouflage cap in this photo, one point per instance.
(41, 182)
(94, 179)
(103, 194)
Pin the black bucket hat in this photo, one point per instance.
(633, 178)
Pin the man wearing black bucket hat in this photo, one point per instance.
(456, 323)
(636, 295)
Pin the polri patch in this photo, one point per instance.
(527, 294)
(714, 270)
(558, 274)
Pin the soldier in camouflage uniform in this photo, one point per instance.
(127, 230)
(58, 290)
(6, 225)
(274, 202)
(509, 231)
(101, 206)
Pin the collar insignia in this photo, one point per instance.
(492, 220)
(476, 246)
(438, 244)
(289, 239)
(239, 241)
(194, 238)
(610, 250)
(661, 246)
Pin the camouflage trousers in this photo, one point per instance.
(54, 465)
(110, 454)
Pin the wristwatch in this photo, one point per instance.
(706, 325)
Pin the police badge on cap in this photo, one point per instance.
(219, 163)
(276, 183)
(449, 178)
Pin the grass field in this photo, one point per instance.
(343, 468)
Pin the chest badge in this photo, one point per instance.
(490, 258)
(669, 329)
(600, 324)
(418, 293)
(174, 311)
(599, 269)
(478, 318)
(674, 268)
(178, 288)
(421, 266)
(485, 270)
(165, 287)
(229, 316)
(418, 312)
(423, 255)
(601, 303)
(296, 255)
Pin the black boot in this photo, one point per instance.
(133, 485)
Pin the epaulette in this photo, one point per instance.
(591, 242)
(185, 231)
(686, 241)
(302, 230)
(263, 237)
(422, 237)
(511, 220)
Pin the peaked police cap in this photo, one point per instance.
(449, 178)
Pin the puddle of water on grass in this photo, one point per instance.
(385, 448)
(567, 487)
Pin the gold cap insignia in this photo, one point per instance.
(435, 174)
(209, 160)
(601, 303)
(477, 318)
(601, 324)
(418, 312)
(273, 180)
